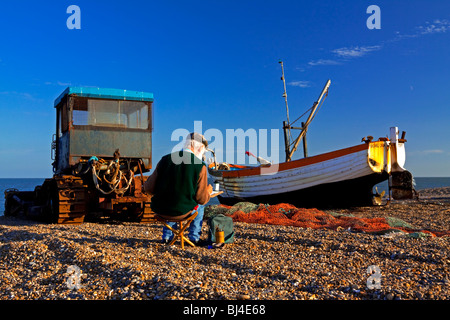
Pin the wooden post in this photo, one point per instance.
(286, 141)
(305, 148)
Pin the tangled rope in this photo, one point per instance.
(111, 176)
(114, 184)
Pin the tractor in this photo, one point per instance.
(101, 149)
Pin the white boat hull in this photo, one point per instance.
(356, 168)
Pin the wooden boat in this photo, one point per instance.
(339, 178)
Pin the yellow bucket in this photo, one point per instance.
(220, 237)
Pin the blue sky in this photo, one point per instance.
(217, 61)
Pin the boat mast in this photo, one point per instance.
(284, 94)
(287, 125)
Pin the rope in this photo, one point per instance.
(301, 115)
(114, 183)
(117, 170)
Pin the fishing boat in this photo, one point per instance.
(339, 178)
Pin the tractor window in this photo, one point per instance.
(104, 113)
(80, 113)
(136, 114)
(111, 113)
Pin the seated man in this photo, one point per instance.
(180, 183)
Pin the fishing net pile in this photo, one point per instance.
(289, 215)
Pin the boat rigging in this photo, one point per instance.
(288, 126)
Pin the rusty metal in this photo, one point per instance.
(78, 142)
(66, 200)
(401, 185)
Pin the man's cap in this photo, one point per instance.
(197, 137)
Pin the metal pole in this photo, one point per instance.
(305, 148)
(286, 124)
(285, 94)
(286, 140)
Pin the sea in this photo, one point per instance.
(24, 184)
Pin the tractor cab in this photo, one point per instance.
(96, 122)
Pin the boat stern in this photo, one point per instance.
(388, 155)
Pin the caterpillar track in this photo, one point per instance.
(70, 200)
(66, 200)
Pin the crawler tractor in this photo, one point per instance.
(101, 149)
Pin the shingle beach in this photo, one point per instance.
(127, 261)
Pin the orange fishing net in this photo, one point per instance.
(289, 215)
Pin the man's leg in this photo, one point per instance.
(195, 228)
(167, 234)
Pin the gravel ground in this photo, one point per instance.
(127, 261)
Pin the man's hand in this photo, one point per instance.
(209, 188)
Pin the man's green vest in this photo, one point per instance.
(176, 184)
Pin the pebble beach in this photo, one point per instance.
(127, 261)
